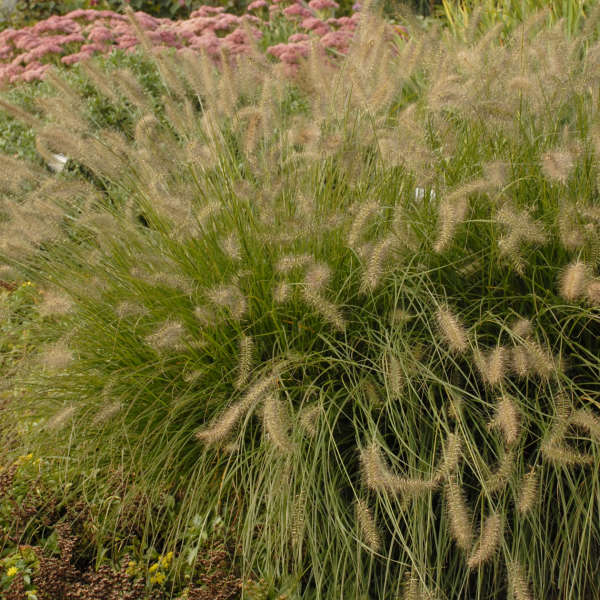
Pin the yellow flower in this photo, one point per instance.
(154, 567)
(158, 578)
(12, 571)
(166, 560)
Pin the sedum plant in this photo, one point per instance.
(389, 393)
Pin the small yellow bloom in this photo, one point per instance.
(158, 578)
(166, 560)
(131, 564)
(12, 571)
(154, 567)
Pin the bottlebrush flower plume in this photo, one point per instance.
(573, 281)
(459, 515)
(528, 491)
(452, 330)
(367, 525)
(489, 540)
(276, 423)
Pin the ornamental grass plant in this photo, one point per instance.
(386, 393)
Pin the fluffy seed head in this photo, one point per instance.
(528, 491)
(245, 361)
(592, 292)
(317, 276)
(223, 426)
(230, 298)
(375, 473)
(108, 412)
(286, 264)
(518, 582)
(491, 533)
(168, 336)
(588, 421)
(562, 455)
(367, 526)
(507, 420)
(55, 303)
(499, 478)
(298, 517)
(459, 515)
(329, 311)
(451, 457)
(492, 367)
(573, 281)
(276, 423)
(452, 330)
(59, 420)
(282, 292)
(519, 361)
(522, 328)
(358, 225)
(57, 356)
(452, 213)
(557, 165)
(129, 309)
(309, 418)
(375, 264)
(394, 376)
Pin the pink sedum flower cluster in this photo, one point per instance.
(26, 54)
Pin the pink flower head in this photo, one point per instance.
(323, 4)
(298, 37)
(239, 36)
(297, 10)
(338, 40)
(256, 5)
(316, 25)
(100, 33)
(146, 21)
(207, 11)
(226, 21)
(41, 51)
(75, 58)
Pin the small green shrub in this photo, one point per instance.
(356, 312)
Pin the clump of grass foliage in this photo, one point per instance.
(387, 393)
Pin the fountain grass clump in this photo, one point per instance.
(386, 392)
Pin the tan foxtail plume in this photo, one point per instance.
(59, 420)
(451, 456)
(224, 424)
(452, 330)
(245, 361)
(517, 581)
(276, 423)
(492, 366)
(364, 213)
(528, 491)
(367, 525)
(459, 515)
(574, 280)
(298, 518)
(489, 540)
(394, 375)
(229, 297)
(452, 212)
(168, 336)
(376, 262)
(309, 417)
(507, 420)
(500, 476)
(57, 356)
